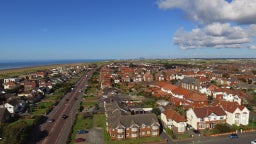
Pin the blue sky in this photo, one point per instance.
(122, 29)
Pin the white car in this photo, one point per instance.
(253, 141)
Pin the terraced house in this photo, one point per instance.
(122, 125)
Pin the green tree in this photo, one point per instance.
(16, 133)
(156, 111)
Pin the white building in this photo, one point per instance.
(236, 114)
(205, 117)
(174, 121)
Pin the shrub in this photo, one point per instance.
(222, 128)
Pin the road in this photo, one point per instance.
(58, 131)
(244, 138)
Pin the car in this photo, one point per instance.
(51, 120)
(232, 136)
(79, 140)
(64, 116)
(81, 131)
(253, 141)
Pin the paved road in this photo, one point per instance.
(244, 138)
(58, 131)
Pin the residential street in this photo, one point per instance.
(244, 138)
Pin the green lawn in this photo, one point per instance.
(39, 111)
(99, 120)
(88, 104)
(45, 104)
(81, 123)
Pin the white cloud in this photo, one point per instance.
(215, 18)
(208, 11)
(215, 35)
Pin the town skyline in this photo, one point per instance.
(50, 30)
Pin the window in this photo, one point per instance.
(154, 133)
(202, 125)
(154, 127)
(237, 115)
(134, 135)
(134, 129)
(143, 133)
(120, 130)
(127, 134)
(120, 136)
(148, 132)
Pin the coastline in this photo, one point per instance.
(6, 67)
(12, 72)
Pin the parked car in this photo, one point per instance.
(81, 132)
(253, 141)
(79, 140)
(51, 120)
(232, 136)
(64, 116)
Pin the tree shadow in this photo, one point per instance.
(36, 135)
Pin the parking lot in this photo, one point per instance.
(93, 136)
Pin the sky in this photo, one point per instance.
(127, 29)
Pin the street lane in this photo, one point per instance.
(244, 138)
(58, 131)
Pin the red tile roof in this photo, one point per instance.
(206, 111)
(230, 106)
(171, 114)
(181, 91)
(197, 97)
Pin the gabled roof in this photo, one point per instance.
(213, 87)
(196, 97)
(230, 106)
(170, 87)
(171, 114)
(181, 91)
(206, 111)
(190, 80)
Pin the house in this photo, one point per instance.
(4, 115)
(10, 85)
(133, 126)
(236, 114)
(205, 117)
(15, 80)
(159, 76)
(122, 125)
(174, 121)
(195, 100)
(227, 95)
(162, 102)
(148, 77)
(15, 106)
(190, 83)
(29, 85)
(12, 106)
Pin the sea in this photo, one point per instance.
(25, 63)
